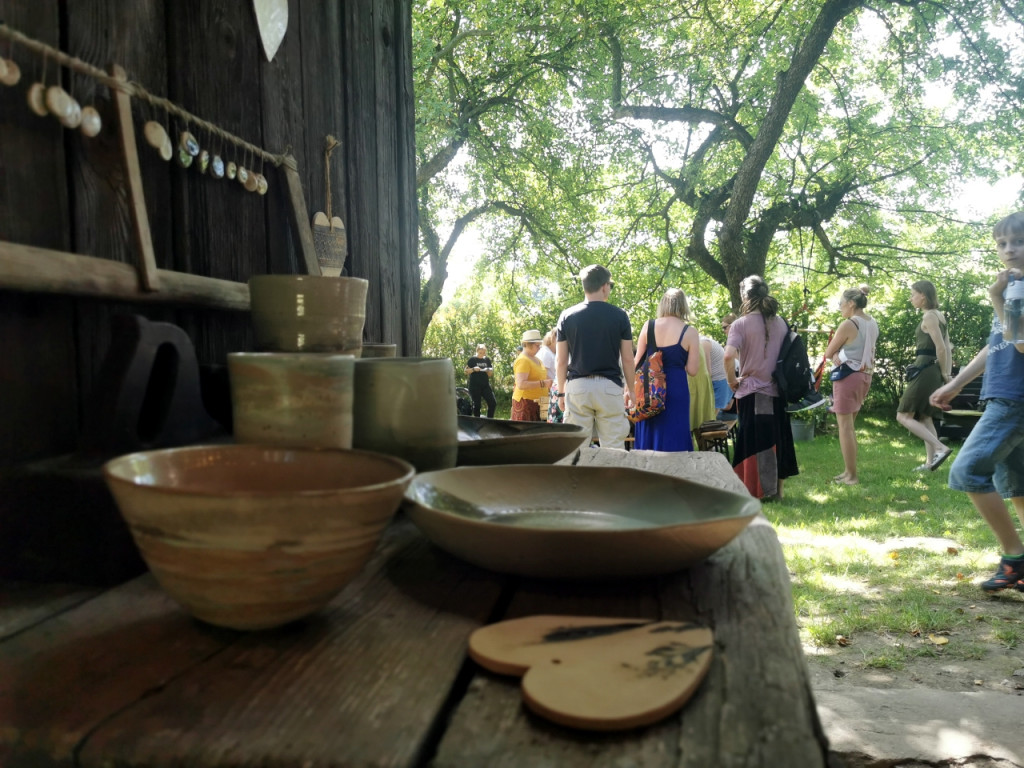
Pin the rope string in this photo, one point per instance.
(135, 90)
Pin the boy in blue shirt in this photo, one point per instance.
(990, 466)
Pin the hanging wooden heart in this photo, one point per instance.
(272, 20)
(598, 674)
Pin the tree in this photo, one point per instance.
(706, 140)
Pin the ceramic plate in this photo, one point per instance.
(575, 522)
(496, 441)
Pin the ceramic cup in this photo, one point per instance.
(307, 313)
(405, 406)
(292, 400)
(380, 350)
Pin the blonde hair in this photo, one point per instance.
(859, 296)
(674, 304)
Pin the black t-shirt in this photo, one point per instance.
(595, 331)
(479, 378)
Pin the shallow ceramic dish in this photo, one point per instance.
(575, 522)
(251, 537)
(496, 441)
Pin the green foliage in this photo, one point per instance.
(682, 145)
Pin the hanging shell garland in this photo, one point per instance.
(217, 167)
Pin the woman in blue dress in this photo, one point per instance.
(680, 349)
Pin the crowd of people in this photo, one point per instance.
(583, 370)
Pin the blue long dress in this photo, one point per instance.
(670, 429)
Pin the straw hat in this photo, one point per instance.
(534, 336)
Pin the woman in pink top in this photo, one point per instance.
(764, 455)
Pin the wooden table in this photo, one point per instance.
(123, 677)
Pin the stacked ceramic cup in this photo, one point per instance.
(307, 387)
(297, 390)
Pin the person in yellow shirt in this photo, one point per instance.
(532, 382)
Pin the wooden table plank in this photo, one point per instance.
(755, 707)
(361, 683)
(61, 678)
(24, 604)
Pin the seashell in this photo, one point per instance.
(217, 167)
(204, 161)
(243, 175)
(184, 157)
(188, 143)
(157, 138)
(232, 170)
(91, 121)
(59, 102)
(3, 69)
(262, 185)
(37, 99)
(73, 118)
(252, 181)
(13, 74)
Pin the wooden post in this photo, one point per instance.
(300, 216)
(148, 272)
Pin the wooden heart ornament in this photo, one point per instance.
(598, 674)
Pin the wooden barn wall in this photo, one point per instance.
(343, 69)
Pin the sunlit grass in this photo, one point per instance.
(899, 555)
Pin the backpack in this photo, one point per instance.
(793, 368)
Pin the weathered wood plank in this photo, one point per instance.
(755, 639)
(359, 684)
(408, 224)
(25, 268)
(23, 604)
(60, 679)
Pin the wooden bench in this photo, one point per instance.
(710, 437)
(958, 423)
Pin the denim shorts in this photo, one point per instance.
(992, 458)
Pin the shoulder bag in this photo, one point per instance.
(649, 385)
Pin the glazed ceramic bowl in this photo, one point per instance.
(380, 350)
(405, 406)
(308, 313)
(252, 537)
(497, 441)
(565, 521)
(292, 399)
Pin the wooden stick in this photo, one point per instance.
(27, 268)
(300, 216)
(148, 271)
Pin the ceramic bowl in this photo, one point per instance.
(497, 441)
(564, 521)
(308, 313)
(292, 399)
(252, 537)
(405, 406)
(380, 350)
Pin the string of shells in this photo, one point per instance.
(46, 100)
(188, 153)
(53, 100)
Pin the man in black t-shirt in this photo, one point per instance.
(479, 372)
(594, 361)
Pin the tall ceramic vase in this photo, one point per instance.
(405, 406)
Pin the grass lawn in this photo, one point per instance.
(899, 556)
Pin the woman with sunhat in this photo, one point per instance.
(531, 379)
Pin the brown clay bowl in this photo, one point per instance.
(497, 441)
(252, 537)
(561, 521)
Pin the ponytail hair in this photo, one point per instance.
(859, 296)
(754, 294)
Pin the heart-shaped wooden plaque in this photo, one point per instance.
(596, 673)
